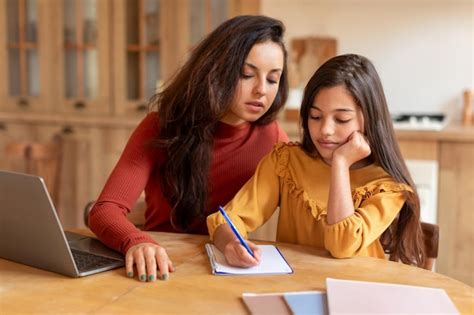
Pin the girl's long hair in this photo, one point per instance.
(357, 74)
(193, 102)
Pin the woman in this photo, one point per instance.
(215, 121)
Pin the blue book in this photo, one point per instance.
(307, 302)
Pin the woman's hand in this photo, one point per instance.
(148, 257)
(237, 255)
(355, 149)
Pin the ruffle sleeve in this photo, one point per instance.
(376, 206)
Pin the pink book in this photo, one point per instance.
(266, 303)
(347, 296)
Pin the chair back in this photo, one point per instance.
(430, 242)
(467, 112)
(42, 159)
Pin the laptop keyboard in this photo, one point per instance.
(87, 261)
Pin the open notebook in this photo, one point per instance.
(272, 262)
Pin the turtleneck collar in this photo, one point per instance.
(226, 131)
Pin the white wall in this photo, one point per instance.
(422, 49)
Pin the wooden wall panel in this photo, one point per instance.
(419, 149)
(456, 215)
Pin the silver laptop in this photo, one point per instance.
(31, 234)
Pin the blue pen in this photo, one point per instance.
(236, 232)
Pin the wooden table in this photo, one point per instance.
(192, 289)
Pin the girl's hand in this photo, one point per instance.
(355, 149)
(237, 255)
(148, 257)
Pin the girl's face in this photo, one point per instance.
(258, 84)
(333, 117)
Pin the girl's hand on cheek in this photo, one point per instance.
(355, 149)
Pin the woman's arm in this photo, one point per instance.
(108, 219)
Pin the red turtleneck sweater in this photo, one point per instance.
(236, 153)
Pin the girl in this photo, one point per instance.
(215, 121)
(343, 187)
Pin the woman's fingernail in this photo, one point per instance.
(151, 278)
(130, 274)
(164, 276)
(142, 278)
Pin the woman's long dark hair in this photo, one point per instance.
(193, 102)
(358, 75)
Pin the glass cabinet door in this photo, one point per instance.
(204, 17)
(138, 52)
(85, 59)
(152, 39)
(23, 56)
(142, 48)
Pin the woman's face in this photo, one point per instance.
(333, 117)
(258, 84)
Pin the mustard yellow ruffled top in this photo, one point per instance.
(299, 184)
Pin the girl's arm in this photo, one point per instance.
(234, 252)
(252, 206)
(376, 205)
(340, 203)
(354, 224)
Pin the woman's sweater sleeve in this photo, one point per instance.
(376, 206)
(108, 218)
(255, 202)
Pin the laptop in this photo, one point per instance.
(31, 233)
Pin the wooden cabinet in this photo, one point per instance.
(86, 69)
(90, 149)
(453, 148)
(456, 216)
(56, 57)
(151, 39)
(99, 57)
(81, 33)
(149, 42)
(25, 56)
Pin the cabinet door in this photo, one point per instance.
(137, 47)
(152, 38)
(204, 16)
(456, 214)
(25, 56)
(83, 45)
